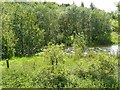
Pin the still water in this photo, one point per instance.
(114, 49)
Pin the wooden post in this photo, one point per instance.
(7, 63)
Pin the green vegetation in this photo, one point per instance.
(28, 27)
(114, 38)
(56, 69)
(34, 38)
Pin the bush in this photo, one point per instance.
(100, 67)
(80, 42)
(54, 54)
(48, 79)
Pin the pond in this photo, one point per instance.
(114, 49)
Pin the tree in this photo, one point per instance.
(8, 36)
(92, 6)
(28, 27)
(100, 27)
(82, 4)
(66, 25)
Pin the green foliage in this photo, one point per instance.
(56, 79)
(80, 42)
(66, 25)
(8, 36)
(100, 30)
(94, 24)
(80, 46)
(54, 54)
(114, 25)
(27, 27)
(114, 38)
(90, 71)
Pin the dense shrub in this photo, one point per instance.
(8, 36)
(100, 28)
(27, 27)
(54, 54)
